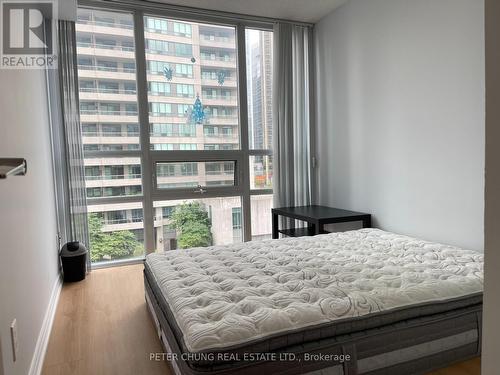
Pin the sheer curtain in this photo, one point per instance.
(291, 115)
(67, 146)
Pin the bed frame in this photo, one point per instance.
(413, 346)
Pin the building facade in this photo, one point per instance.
(188, 65)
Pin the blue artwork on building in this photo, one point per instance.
(168, 73)
(197, 113)
(221, 77)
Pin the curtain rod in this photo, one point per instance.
(149, 5)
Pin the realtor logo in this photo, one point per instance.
(28, 34)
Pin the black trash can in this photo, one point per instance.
(74, 261)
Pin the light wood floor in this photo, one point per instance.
(102, 327)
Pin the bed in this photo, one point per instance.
(357, 302)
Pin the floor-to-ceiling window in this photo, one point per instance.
(176, 125)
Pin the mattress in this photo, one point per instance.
(280, 295)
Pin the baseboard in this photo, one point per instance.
(43, 337)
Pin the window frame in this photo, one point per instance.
(149, 157)
(193, 157)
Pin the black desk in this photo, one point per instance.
(316, 217)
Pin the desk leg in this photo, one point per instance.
(367, 222)
(275, 233)
(317, 228)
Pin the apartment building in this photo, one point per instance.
(192, 79)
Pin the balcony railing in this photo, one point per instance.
(123, 221)
(107, 113)
(113, 177)
(178, 135)
(220, 135)
(105, 46)
(175, 174)
(105, 24)
(166, 53)
(101, 90)
(217, 58)
(213, 81)
(220, 97)
(109, 134)
(106, 68)
(170, 94)
(218, 39)
(165, 114)
(220, 115)
(219, 173)
(178, 75)
(166, 32)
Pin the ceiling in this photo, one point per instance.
(296, 10)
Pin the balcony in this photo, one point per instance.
(122, 224)
(94, 116)
(113, 177)
(113, 180)
(106, 50)
(218, 42)
(171, 98)
(202, 178)
(104, 72)
(221, 173)
(175, 135)
(107, 113)
(110, 140)
(161, 117)
(112, 134)
(160, 139)
(116, 25)
(221, 100)
(97, 161)
(221, 119)
(105, 28)
(219, 62)
(167, 56)
(97, 93)
(221, 138)
(213, 82)
(166, 35)
(179, 78)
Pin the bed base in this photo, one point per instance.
(381, 351)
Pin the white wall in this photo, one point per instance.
(491, 311)
(28, 254)
(400, 113)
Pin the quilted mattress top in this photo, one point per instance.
(223, 296)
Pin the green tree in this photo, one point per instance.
(112, 245)
(193, 225)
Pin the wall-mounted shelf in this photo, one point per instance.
(12, 167)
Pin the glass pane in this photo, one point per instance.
(109, 118)
(192, 85)
(107, 80)
(261, 172)
(177, 175)
(259, 56)
(112, 177)
(261, 216)
(181, 224)
(116, 232)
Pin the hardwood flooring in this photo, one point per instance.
(102, 327)
(470, 367)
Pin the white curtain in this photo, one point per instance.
(291, 115)
(67, 145)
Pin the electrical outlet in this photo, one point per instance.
(14, 339)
